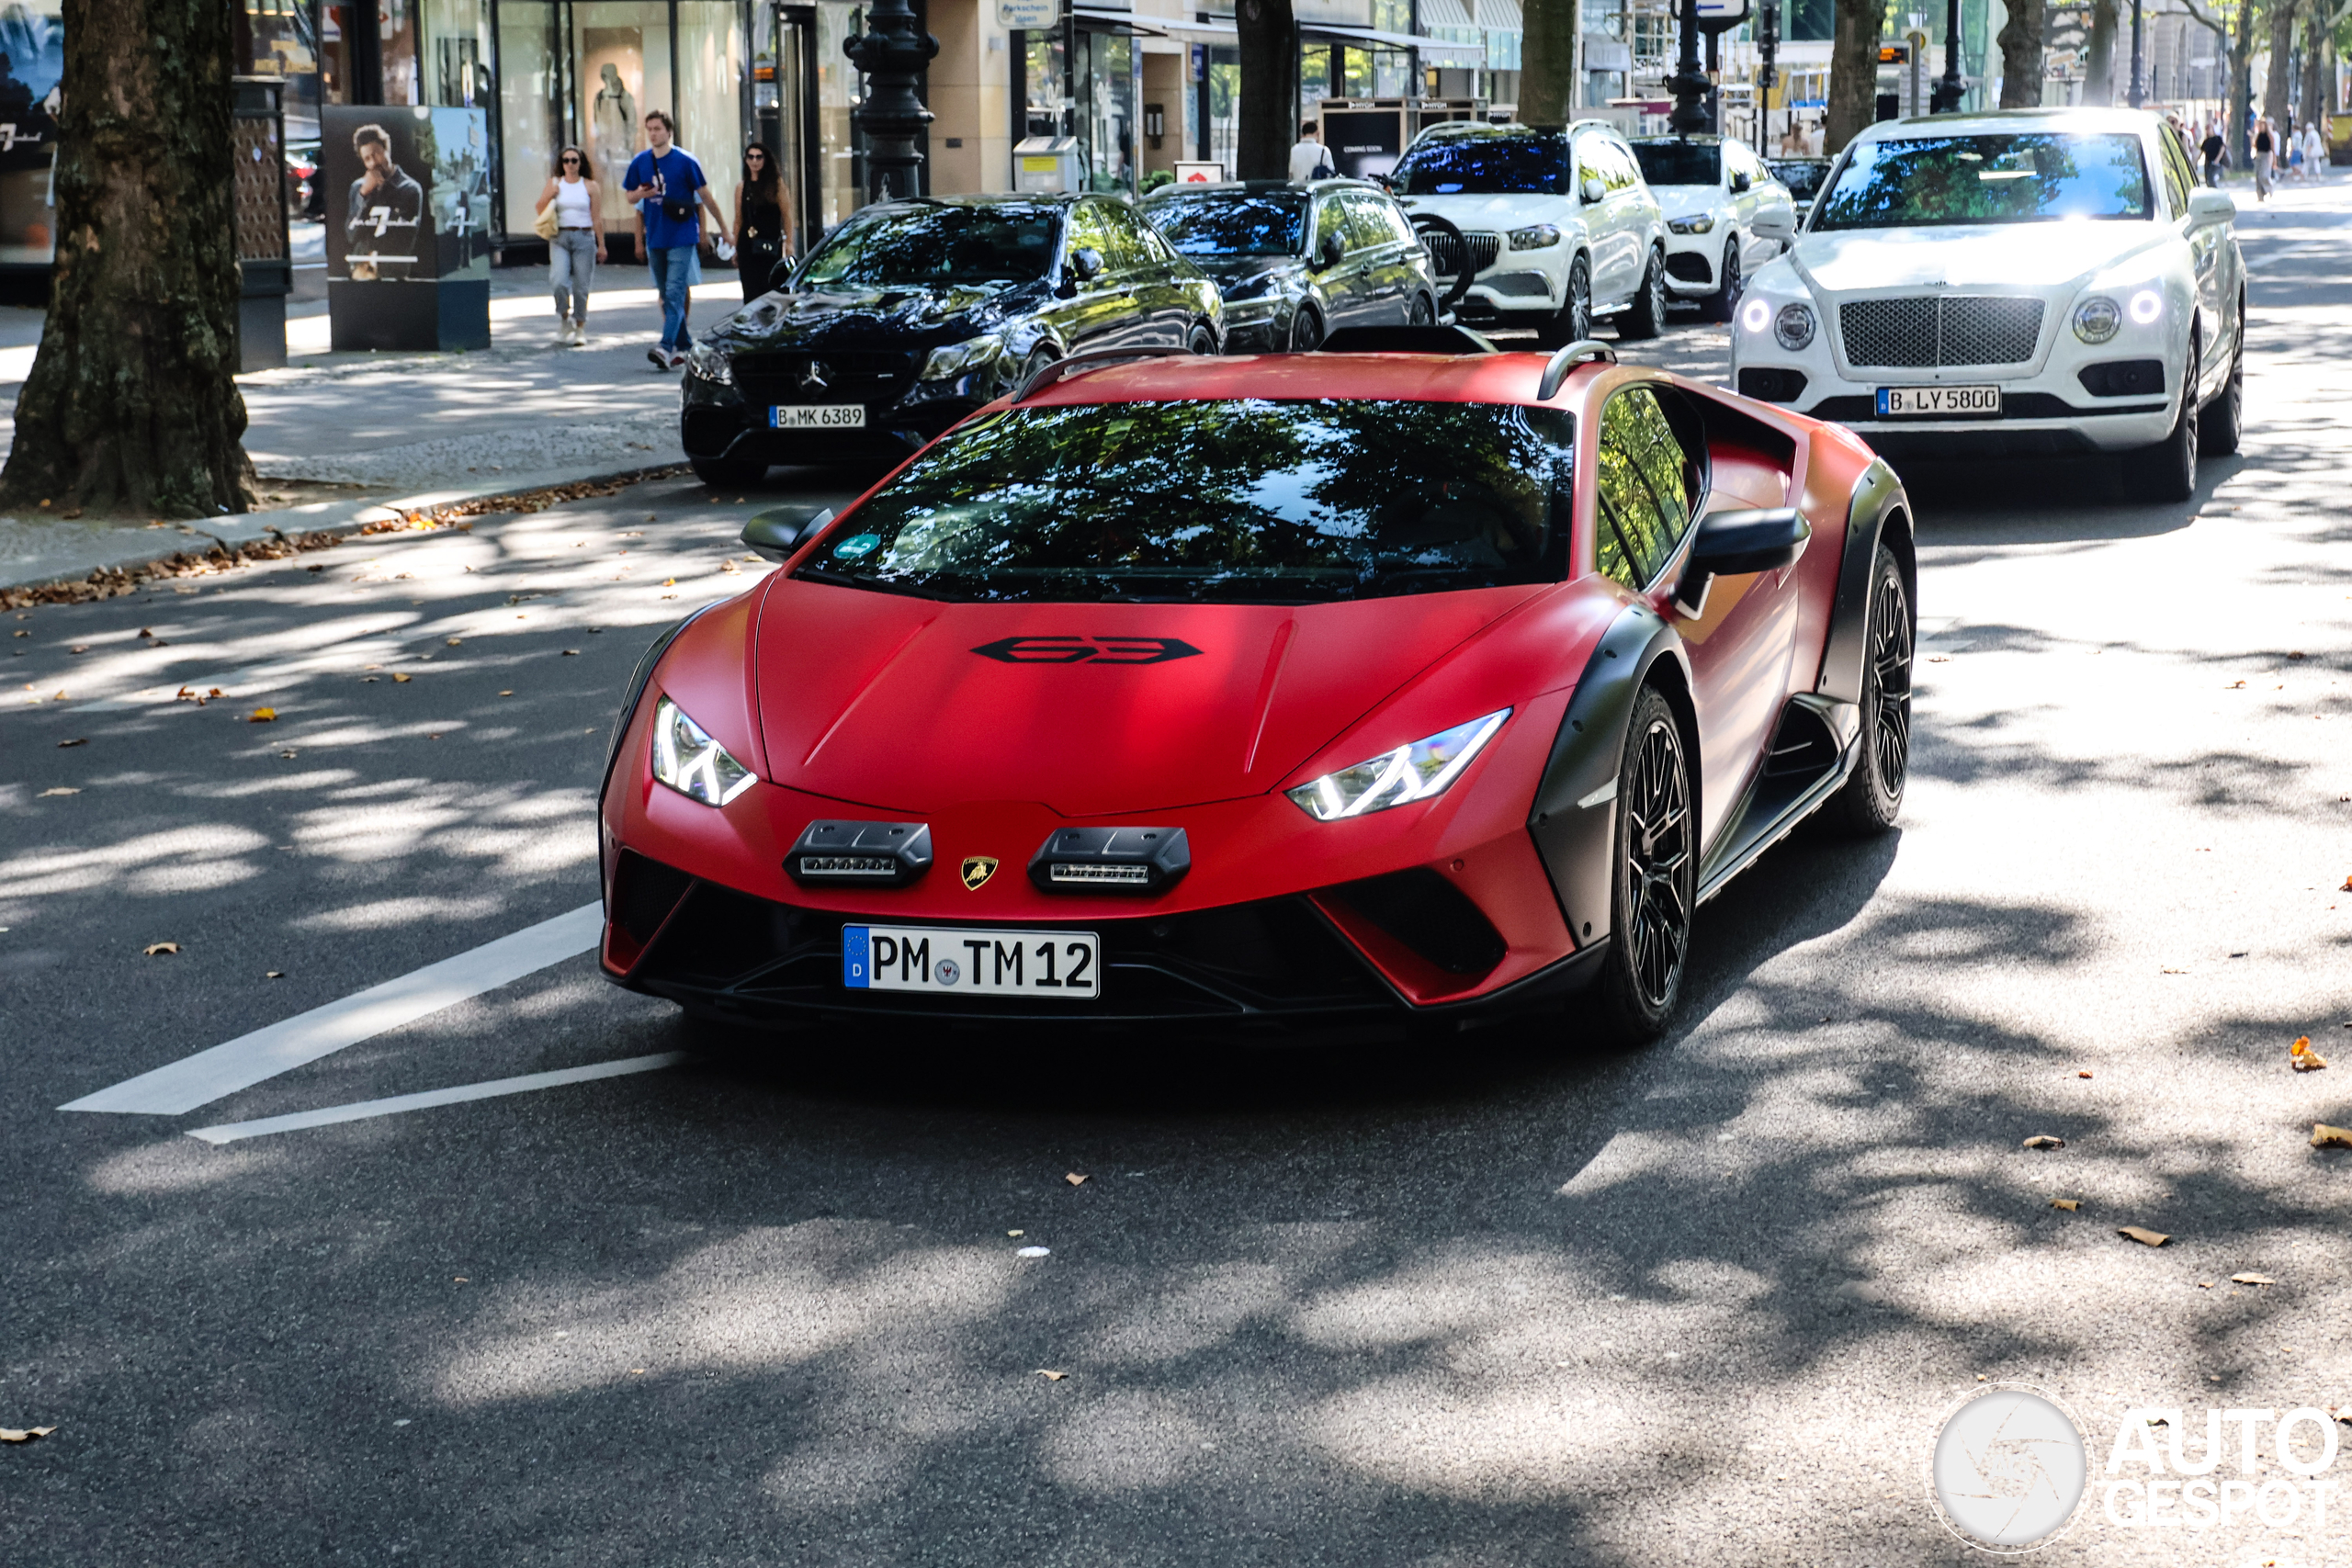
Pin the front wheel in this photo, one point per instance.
(1306, 329)
(1422, 313)
(1646, 317)
(2222, 421)
(1654, 885)
(1200, 340)
(1724, 303)
(2167, 471)
(1873, 793)
(1573, 324)
(728, 473)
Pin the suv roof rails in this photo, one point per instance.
(1407, 339)
(1060, 367)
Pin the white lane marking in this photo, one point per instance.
(360, 1110)
(182, 1086)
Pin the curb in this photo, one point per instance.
(217, 543)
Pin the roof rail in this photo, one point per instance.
(1407, 339)
(1042, 379)
(1567, 359)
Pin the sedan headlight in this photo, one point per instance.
(1792, 329)
(2096, 319)
(1691, 225)
(956, 358)
(1239, 311)
(687, 759)
(1421, 770)
(1535, 237)
(708, 362)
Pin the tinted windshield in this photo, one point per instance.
(1005, 243)
(1802, 175)
(1681, 162)
(1484, 165)
(2027, 178)
(1232, 225)
(1248, 500)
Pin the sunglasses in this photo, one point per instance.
(570, 159)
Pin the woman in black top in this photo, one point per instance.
(761, 199)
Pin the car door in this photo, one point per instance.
(1386, 274)
(2209, 246)
(1745, 184)
(1604, 224)
(1163, 311)
(1410, 262)
(1341, 282)
(1649, 487)
(1098, 311)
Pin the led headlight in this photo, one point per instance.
(2096, 319)
(708, 362)
(2146, 305)
(690, 761)
(1793, 327)
(1754, 316)
(1535, 237)
(1691, 225)
(1421, 770)
(1238, 310)
(956, 358)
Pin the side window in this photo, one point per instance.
(1366, 230)
(1617, 166)
(2180, 174)
(1331, 218)
(1130, 250)
(1589, 160)
(1086, 229)
(1644, 488)
(1400, 228)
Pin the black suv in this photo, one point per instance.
(914, 313)
(1295, 261)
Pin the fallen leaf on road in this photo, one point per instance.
(78, 740)
(2069, 1204)
(1033, 1252)
(2176, 971)
(2297, 654)
(403, 680)
(82, 648)
(729, 568)
(2347, 886)
(2327, 1137)
(2252, 1280)
(2234, 685)
(505, 693)
(668, 582)
(2302, 1057)
(2044, 1141)
(452, 642)
(61, 789)
(1051, 1377)
(2145, 1237)
(274, 974)
(262, 715)
(24, 1434)
(144, 632)
(1075, 1179)
(155, 948)
(1016, 1233)
(2203, 1285)
(2082, 1074)
(571, 653)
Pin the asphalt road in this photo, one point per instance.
(1505, 1304)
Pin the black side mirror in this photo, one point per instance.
(1329, 252)
(776, 532)
(1731, 544)
(1086, 264)
(1740, 181)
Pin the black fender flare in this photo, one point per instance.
(1878, 506)
(1574, 838)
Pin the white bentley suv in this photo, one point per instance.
(1558, 226)
(2032, 281)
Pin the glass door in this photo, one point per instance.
(785, 110)
(530, 109)
(621, 68)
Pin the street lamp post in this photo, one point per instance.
(891, 53)
(2137, 93)
(1689, 83)
(1944, 97)
(1768, 71)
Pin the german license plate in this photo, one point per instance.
(1067, 965)
(1962, 402)
(818, 417)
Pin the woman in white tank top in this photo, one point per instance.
(578, 244)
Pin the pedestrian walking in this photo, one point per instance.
(575, 247)
(763, 243)
(2314, 151)
(1309, 159)
(670, 193)
(2215, 151)
(2265, 149)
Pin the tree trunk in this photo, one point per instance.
(2278, 79)
(1853, 74)
(2021, 42)
(2242, 87)
(1547, 76)
(1266, 122)
(132, 407)
(2098, 71)
(2317, 75)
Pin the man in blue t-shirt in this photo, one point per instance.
(667, 184)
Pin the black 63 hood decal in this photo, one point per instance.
(1086, 649)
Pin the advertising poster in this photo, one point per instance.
(32, 62)
(407, 229)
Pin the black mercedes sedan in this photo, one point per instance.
(1297, 261)
(914, 313)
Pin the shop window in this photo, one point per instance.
(456, 67)
(713, 59)
(530, 109)
(396, 40)
(840, 168)
(621, 66)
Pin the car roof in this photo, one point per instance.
(990, 198)
(1705, 138)
(1996, 122)
(1420, 378)
(1236, 189)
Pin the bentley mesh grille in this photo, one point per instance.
(1941, 330)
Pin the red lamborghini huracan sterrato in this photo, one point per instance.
(1420, 682)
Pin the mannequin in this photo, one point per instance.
(613, 115)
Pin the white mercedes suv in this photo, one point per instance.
(1559, 227)
(1726, 216)
(2032, 281)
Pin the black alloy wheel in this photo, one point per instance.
(1306, 329)
(1872, 794)
(2223, 422)
(2167, 471)
(1724, 303)
(1654, 885)
(1421, 313)
(1574, 322)
(1201, 339)
(1646, 317)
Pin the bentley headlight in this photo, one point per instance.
(1793, 327)
(1421, 770)
(708, 362)
(1535, 237)
(690, 761)
(2146, 305)
(1691, 225)
(1754, 316)
(2096, 319)
(956, 358)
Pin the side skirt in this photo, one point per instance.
(1813, 751)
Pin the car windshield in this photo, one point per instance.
(1802, 175)
(909, 247)
(1249, 501)
(1483, 165)
(2030, 177)
(1681, 162)
(1271, 225)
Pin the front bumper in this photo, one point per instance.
(1693, 262)
(716, 420)
(1521, 287)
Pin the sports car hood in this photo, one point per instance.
(816, 319)
(1492, 212)
(911, 704)
(2036, 256)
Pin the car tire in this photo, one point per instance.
(1724, 303)
(2167, 471)
(2223, 422)
(1201, 339)
(1306, 329)
(1654, 880)
(1422, 312)
(1573, 321)
(1646, 317)
(1872, 794)
(728, 473)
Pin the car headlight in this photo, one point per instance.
(2096, 319)
(1792, 329)
(1754, 316)
(1421, 770)
(1238, 310)
(1535, 237)
(1691, 225)
(956, 358)
(687, 759)
(2146, 305)
(708, 362)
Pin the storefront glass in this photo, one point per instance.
(1107, 88)
(713, 92)
(395, 38)
(32, 59)
(530, 107)
(456, 68)
(841, 180)
(621, 66)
